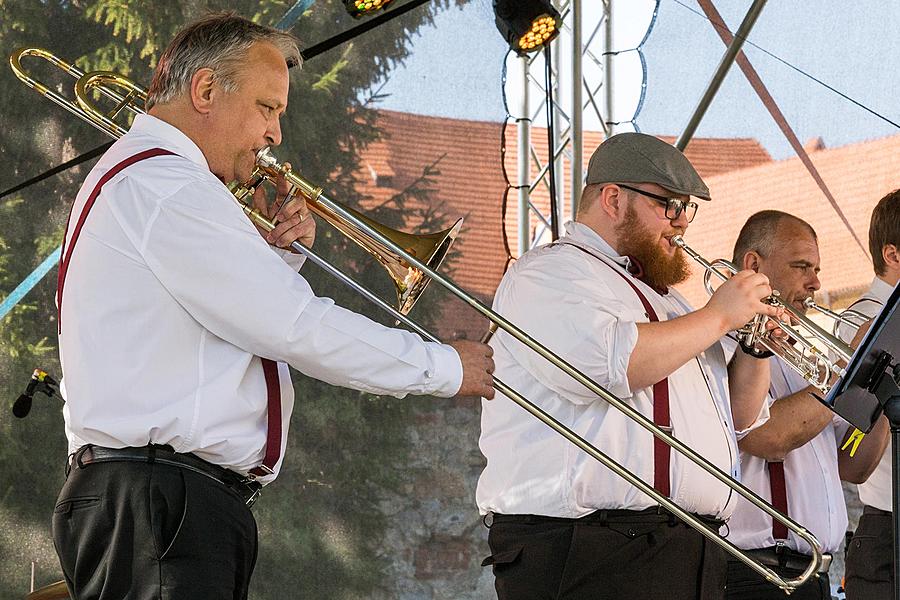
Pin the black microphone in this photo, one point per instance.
(22, 406)
(40, 382)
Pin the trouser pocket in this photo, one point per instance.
(167, 505)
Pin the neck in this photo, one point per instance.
(188, 122)
(890, 277)
(602, 228)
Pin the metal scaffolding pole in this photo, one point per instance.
(719, 76)
(574, 92)
(575, 172)
(523, 128)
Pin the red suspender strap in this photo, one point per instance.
(779, 498)
(270, 368)
(67, 252)
(661, 418)
(661, 451)
(273, 419)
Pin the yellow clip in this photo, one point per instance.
(854, 439)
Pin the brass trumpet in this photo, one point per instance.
(850, 317)
(818, 368)
(376, 240)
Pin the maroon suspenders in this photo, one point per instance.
(662, 452)
(66, 254)
(273, 419)
(779, 498)
(270, 368)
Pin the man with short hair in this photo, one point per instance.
(563, 525)
(870, 558)
(793, 459)
(178, 321)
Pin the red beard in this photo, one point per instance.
(660, 270)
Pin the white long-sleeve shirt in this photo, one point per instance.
(172, 296)
(876, 491)
(581, 309)
(815, 498)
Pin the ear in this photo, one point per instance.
(891, 255)
(751, 261)
(612, 201)
(203, 88)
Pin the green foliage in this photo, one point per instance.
(320, 523)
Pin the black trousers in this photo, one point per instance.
(746, 584)
(870, 558)
(638, 555)
(140, 531)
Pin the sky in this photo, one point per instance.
(455, 68)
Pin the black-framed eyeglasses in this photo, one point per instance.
(674, 206)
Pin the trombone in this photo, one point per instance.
(818, 368)
(269, 168)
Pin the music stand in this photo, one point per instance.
(872, 386)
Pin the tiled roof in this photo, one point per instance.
(858, 175)
(470, 184)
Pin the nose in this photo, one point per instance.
(273, 132)
(814, 284)
(681, 221)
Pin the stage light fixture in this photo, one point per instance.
(527, 25)
(361, 8)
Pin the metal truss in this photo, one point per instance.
(581, 69)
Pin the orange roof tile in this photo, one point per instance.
(858, 175)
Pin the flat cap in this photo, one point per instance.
(642, 158)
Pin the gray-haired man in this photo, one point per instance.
(177, 320)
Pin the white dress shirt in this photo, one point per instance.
(876, 491)
(576, 305)
(171, 297)
(814, 495)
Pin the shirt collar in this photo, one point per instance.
(580, 233)
(169, 137)
(881, 289)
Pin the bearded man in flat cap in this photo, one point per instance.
(562, 525)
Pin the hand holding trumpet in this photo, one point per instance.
(737, 301)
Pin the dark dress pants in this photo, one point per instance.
(543, 558)
(746, 584)
(141, 531)
(870, 558)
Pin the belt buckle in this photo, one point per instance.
(253, 497)
(248, 483)
(826, 563)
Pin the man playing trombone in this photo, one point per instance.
(177, 319)
(794, 458)
(870, 566)
(562, 525)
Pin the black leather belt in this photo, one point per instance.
(875, 512)
(246, 488)
(655, 514)
(785, 558)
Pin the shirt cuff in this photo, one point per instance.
(761, 419)
(444, 377)
(624, 339)
(293, 260)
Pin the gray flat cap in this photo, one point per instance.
(642, 158)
